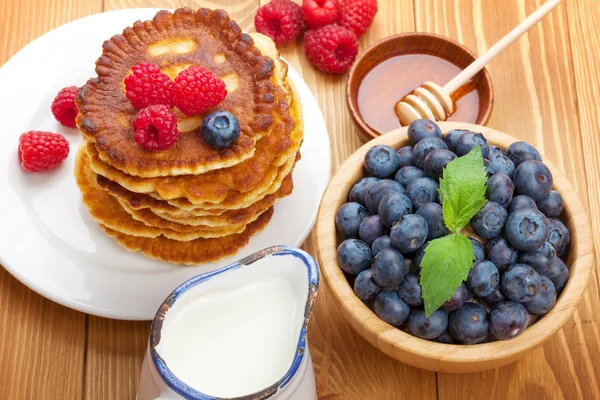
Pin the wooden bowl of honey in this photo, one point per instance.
(392, 68)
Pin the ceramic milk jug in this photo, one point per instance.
(236, 333)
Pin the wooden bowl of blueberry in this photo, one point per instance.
(453, 247)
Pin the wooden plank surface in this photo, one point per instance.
(546, 89)
(42, 344)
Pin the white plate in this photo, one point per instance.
(48, 240)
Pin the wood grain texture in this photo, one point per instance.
(535, 100)
(436, 356)
(42, 344)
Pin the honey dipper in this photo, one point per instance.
(433, 102)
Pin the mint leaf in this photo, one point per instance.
(462, 189)
(446, 264)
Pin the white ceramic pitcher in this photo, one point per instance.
(157, 381)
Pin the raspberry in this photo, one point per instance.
(147, 86)
(331, 48)
(64, 108)
(318, 13)
(196, 90)
(357, 15)
(41, 151)
(281, 20)
(156, 127)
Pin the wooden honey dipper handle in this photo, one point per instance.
(433, 102)
(477, 65)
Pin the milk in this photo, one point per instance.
(238, 331)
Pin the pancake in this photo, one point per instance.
(174, 42)
(168, 212)
(106, 210)
(253, 175)
(194, 252)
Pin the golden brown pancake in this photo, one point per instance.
(174, 42)
(253, 175)
(106, 210)
(194, 252)
(168, 212)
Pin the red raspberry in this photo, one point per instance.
(156, 127)
(147, 86)
(318, 13)
(64, 108)
(357, 15)
(281, 20)
(331, 48)
(196, 90)
(41, 151)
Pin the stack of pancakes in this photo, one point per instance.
(189, 204)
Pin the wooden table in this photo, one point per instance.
(547, 92)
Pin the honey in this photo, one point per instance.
(395, 78)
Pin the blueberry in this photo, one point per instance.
(353, 256)
(558, 236)
(483, 278)
(489, 221)
(469, 324)
(520, 282)
(392, 207)
(365, 287)
(371, 228)
(410, 290)
(544, 300)
(526, 229)
(540, 259)
(534, 179)
(508, 320)
(451, 138)
(435, 162)
(427, 328)
(409, 233)
(477, 249)
(460, 297)
(552, 205)
(494, 298)
(220, 130)
(501, 253)
(388, 268)
(425, 146)
(377, 191)
(406, 175)
(521, 151)
(418, 256)
(434, 216)
(359, 190)
(469, 141)
(381, 161)
(445, 338)
(500, 189)
(496, 150)
(405, 156)
(391, 308)
(422, 191)
(348, 218)
(558, 274)
(520, 202)
(382, 242)
(421, 129)
(500, 164)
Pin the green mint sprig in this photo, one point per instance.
(447, 260)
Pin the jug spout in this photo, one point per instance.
(238, 332)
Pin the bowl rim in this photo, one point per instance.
(369, 132)
(438, 356)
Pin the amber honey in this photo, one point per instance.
(395, 78)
